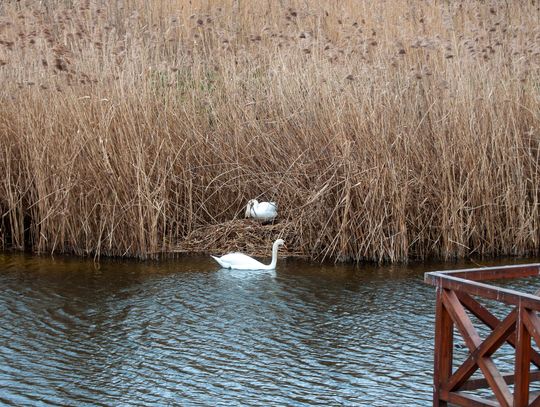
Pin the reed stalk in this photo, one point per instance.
(386, 131)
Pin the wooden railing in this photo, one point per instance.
(458, 293)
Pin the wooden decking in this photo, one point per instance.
(458, 296)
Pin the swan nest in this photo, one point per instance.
(240, 235)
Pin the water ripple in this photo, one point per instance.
(184, 333)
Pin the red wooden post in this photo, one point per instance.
(444, 344)
(523, 361)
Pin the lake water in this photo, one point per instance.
(184, 332)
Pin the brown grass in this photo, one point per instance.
(385, 130)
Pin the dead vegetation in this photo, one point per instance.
(385, 130)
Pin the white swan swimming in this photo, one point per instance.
(240, 261)
(265, 211)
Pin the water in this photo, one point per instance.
(183, 332)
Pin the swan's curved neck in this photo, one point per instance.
(274, 256)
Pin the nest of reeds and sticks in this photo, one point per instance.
(242, 235)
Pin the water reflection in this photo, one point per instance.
(184, 332)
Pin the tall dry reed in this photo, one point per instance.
(386, 130)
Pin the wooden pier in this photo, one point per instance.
(459, 293)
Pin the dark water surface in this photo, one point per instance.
(183, 332)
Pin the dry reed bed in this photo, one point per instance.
(385, 130)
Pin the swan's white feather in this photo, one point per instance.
(265, 211)
(240, 261)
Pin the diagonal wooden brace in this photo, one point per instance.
(486, 349)
(484, 315)
(472, 339)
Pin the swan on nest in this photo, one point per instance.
(264, 211)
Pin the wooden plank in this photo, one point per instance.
(494, 273)
(481, 383)
(473, 341)
(491, 320)
(483, 290)
(532, 322)
(534, 399)
(496, 381)
(461, 319)
(460, 378)
(481, 312)
(444, 345)
(492, 342)
(522, 362)
(468, 400)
